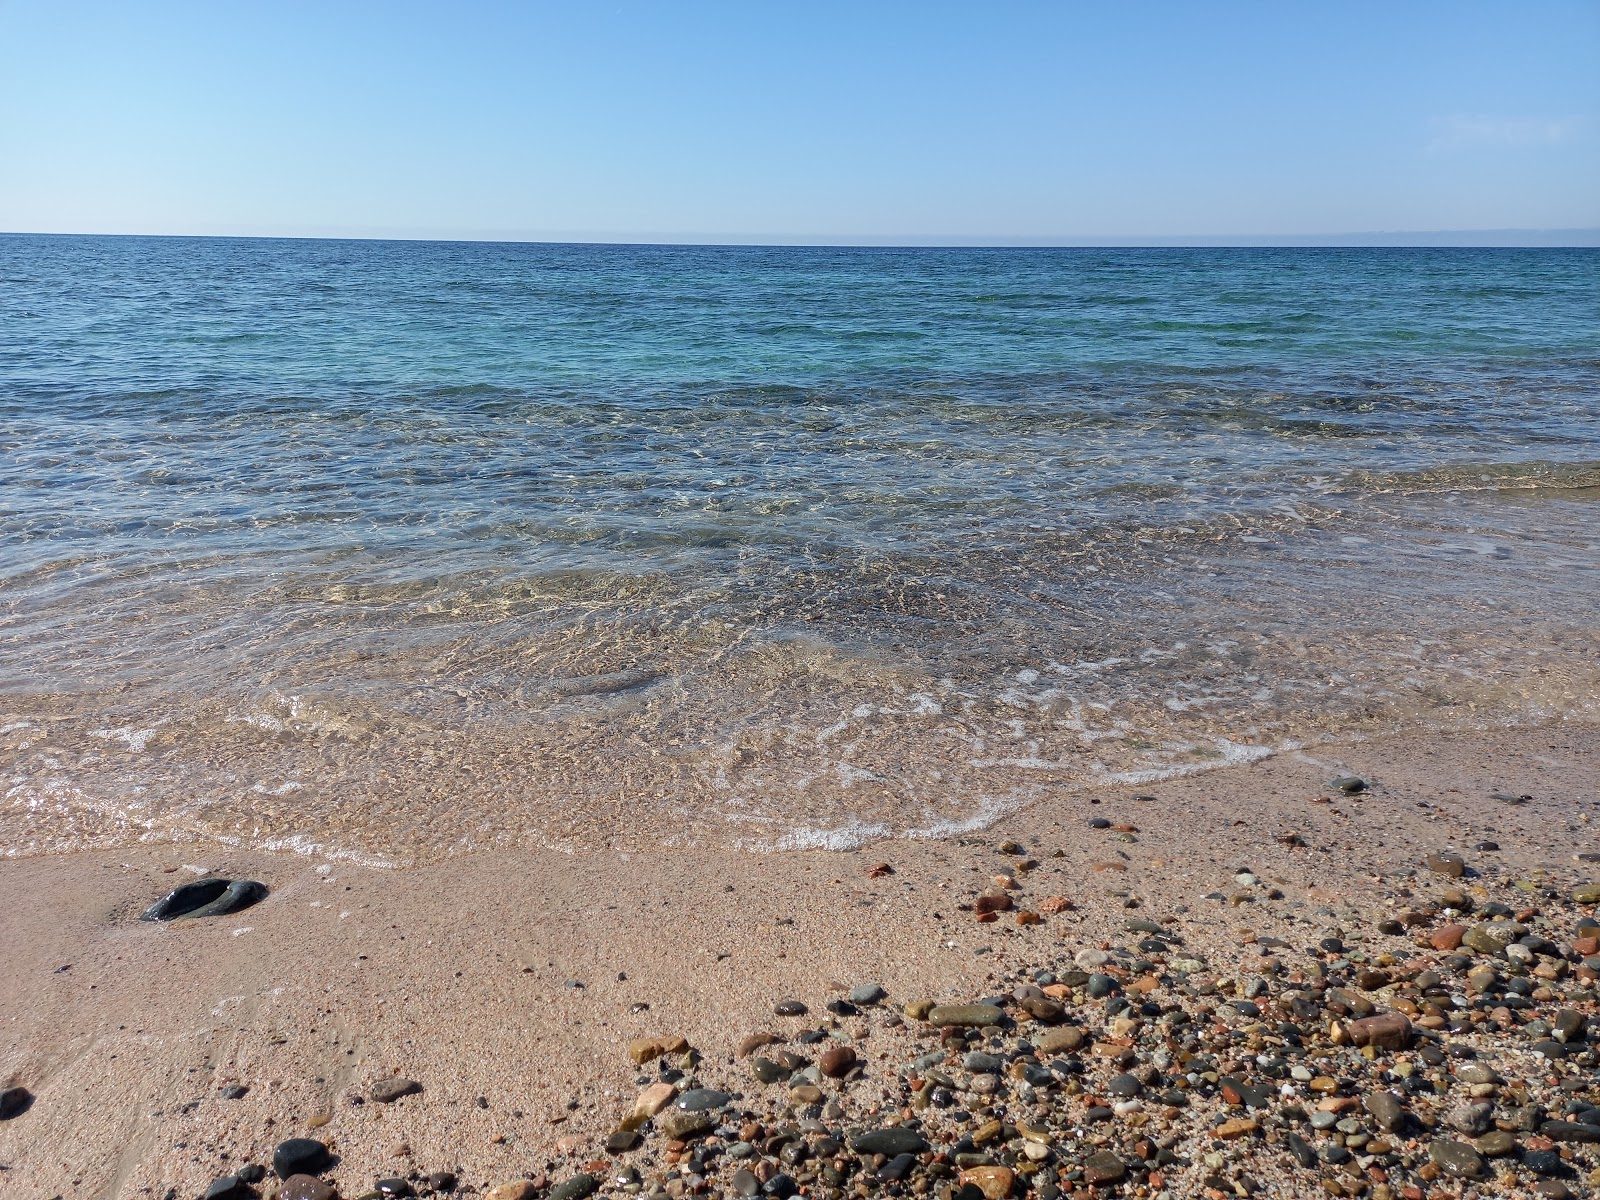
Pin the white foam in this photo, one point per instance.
(135, 739)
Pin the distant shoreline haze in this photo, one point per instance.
(1468, 238)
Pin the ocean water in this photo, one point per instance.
(393, 550)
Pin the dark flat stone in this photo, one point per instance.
(896, 1139)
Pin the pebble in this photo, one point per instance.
(790, 1008)
(14, 1101)
(299, 1156)
(896, 1139)
(306, 1187)
(515, 1189)
(867, 993)
(392, 1088)
(959, 1015)
(579, 1187)
(1456, 1158)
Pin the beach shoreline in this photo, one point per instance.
(520, 977)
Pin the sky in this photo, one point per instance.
(813, 121)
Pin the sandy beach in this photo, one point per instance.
(509, 985)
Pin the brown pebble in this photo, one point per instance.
(835, 1062)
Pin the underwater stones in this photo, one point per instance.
(206, 898)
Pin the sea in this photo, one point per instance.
(387, 551)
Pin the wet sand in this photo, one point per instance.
(463, 975)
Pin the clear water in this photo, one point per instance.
(395, 549)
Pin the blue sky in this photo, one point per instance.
(807, 121)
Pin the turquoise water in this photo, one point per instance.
(399, 548)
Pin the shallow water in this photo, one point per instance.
(393, 549)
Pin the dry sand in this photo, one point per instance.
(457, 974)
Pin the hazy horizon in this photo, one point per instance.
(1508, 239)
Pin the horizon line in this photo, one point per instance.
(1503, 238)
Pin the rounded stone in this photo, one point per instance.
(299, 1156)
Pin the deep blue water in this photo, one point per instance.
(232, 470)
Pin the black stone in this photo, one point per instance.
(394, 1186)
(789, 1008)
(15, 1101)
(206, 898)
(896, 1139)
(229, 1187)
(235, 1091)
(442, 1181)
(1302, 1151)
(780, 1186)
(1570, 1131)
(897, 1168)
(299, 1156)
(252, 1172)
(1542, 1162)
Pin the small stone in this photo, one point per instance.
(1388, 1114)
(1349, 784)
(515, 1189)
(895, 1139)
(14, 1101)
(790, 1008)
(964, 1015)
(994, 1182)
(620, 1141)
(649, 1102)
(306, 1187)
(387, 1091)
(1103, 1167)
(1236, 1128)
(229, 1187)
(299, 1156)
(234, 1091)
(1456, 1158)
(867, 993)
(442, 1181)
(1063, 1040)
(1446, 862)
(835, 1062)
(756, 1041)
(579, 1187)
(1385, 1030)
(701, 1100)
(395, 1187)
(1570, 1131)
(1447, 938)
(643, 1050)
(1587, 893)
(745, 1183)
(1497, 1143)
(681, 1126)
